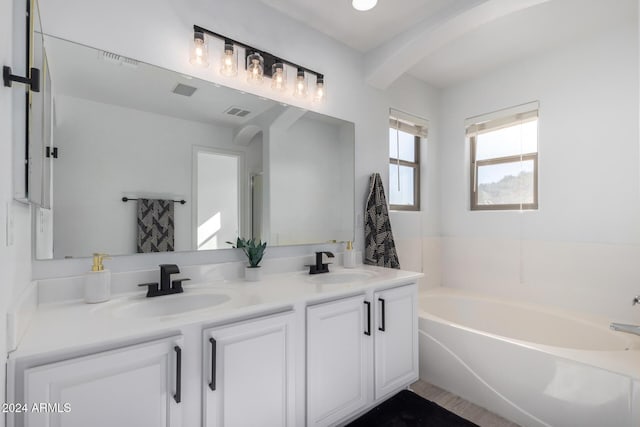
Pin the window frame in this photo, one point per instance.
(475, 164)
(416, 174)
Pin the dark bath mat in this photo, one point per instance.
(407, 409)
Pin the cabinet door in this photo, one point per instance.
(396, 339)
(128, 387)
(338, 360)
(249, 373)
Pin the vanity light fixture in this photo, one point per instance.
(300, 88)
(364, 5)
(229, 61)
(200, 50)
(258, 65)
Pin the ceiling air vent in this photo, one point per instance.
(118, 59)
(237, 111)
(185, 90)
(128, 62)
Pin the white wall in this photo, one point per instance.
(580, 250)
(15, 268)
(138, 36)
(146, 155)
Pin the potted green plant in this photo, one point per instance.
(254, 250)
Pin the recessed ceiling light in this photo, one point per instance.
(364, 4)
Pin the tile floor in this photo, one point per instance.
(459, 406)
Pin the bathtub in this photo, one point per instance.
(533, 365)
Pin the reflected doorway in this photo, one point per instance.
(217, 198)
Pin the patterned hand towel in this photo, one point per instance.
(155, 226)
(380, 249)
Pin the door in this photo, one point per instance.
(128, 387)
(396, 339)
(338, 360)
(218, 197)
(249, 373)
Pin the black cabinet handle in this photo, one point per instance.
(382, 316)
(368, 331)
(178, 395)
(212, 384)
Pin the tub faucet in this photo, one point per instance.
(319, 266)
(166, 286)
(623, 327)
(636, 300)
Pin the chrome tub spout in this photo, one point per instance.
(622, 327)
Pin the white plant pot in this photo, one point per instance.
(252, 274)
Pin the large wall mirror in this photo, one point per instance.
(244, 165)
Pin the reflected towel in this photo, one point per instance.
(155, 226)
(380, 248)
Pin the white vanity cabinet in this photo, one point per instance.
(338, 360)
(132, 386)
(360, 350)
(396, 339)
(248, 370)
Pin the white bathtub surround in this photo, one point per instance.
(597, 278)
(534, 365)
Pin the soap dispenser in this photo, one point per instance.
(97, 282)
(349, 256)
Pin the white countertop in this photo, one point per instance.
(74, 325)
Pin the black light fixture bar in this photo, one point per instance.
(269, 58)
(33, 82)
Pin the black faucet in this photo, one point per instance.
(319, 266)
(167, 287)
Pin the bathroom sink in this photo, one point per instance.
(342, 277)
(169, 305)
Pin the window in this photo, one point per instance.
(504, 159)
(404, 161)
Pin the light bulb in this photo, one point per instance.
(321, 91)
(199, 52)
(363, 5)
(300, 89)
(255, 70)
(278, 76)
(229, 61)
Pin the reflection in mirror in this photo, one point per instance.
(40, 127)
(246, 166)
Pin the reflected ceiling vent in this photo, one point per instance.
(237, 111)
(184, 90)
(118, 59)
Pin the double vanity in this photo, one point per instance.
(293, 349)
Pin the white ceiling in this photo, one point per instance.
(519, 35)
(443, 42)
(362, 31)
